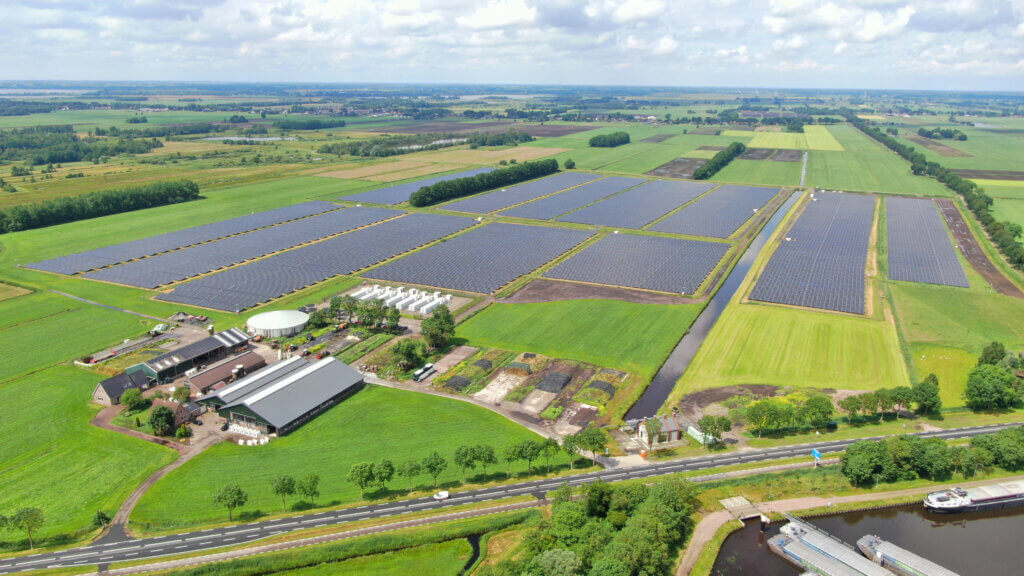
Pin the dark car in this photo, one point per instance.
(224, 427)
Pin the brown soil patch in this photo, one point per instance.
(413, 172)
(438, 126)
(481, 156)
(366, 171)
(692, 405)
(973, 251)
(769, 128)
(937, 147)
(992, 174)
(714, 148)
(678, 168)
(707, 131)
(544, 290)
(757, 153)
(788, 156)
(658, 138)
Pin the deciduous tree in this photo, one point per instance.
(231, 496)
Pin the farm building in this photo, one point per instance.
(109, 391)
(278, 324)
(283, 396)
(168, 366)
(181, 412)
(672, 429)
(226, 371)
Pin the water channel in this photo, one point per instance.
(974, 544)
(677, 362)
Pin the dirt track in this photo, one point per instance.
(973, 252)
(544, 290)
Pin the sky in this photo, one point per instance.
(869, 44)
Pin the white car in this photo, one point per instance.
(442, 495)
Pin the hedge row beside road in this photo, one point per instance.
(719, 161)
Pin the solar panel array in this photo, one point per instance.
(919, 246)
(108, 255)
(482, 260)
(822, 263)
(649, 262)
(400, 193)
(639, 206)
(239, 288)
(485, 203)
(718, 214)
(193, 261)
(567, 201)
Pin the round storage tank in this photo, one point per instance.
(277, 324)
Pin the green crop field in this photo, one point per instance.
(987, 149)
(52, 458)
(85, 119)
(768, 172)
(820, 138)
(1012, 210)
(1010, 189)
(866, 166)
(610, 333)
(956, 317)
(758, 344)
(442, 559)
(374, 423)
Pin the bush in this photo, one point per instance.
(719, 161)
(569, 164)
(610, 140)
(459, 187)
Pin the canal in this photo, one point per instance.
(672, 370)
(975, 544)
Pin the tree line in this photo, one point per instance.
(313, 123)
(610, 140)
(1006, 235)
(607, 530)
(993, 383)
(719, 161)
(161, 131)
(94, 204)
(509, 138)
(936, 133)
(392, 145)
(911, 457)
(458, 187)
(57, 144)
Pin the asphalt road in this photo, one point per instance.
(128, 550)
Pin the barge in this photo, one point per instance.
(900, 560)
(991, 497)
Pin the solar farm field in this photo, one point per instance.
(239, 288)
(623, 335)
(821, 264)
(50, 453)
(569, 200)
(482, 260)
(181, 264)
(719, 213)
(500, 199)
(400, 192)
(181, 499)
(647, 262)
(919, 246)
(639, 206)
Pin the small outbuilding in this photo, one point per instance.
(278, 324)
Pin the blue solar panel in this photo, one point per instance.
(920, 249)
(547, 208)
(239, 288)
(188, 262)
(482, 260)
(648, 262)
(821, 263)
(401, 192)
(639, 206)
(109, 255)
(718, 214)
(491, 201)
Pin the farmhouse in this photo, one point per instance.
(226, 371)
(671, 429)
(168, 366)
(281, 397)
(181, 412)
(109, 391)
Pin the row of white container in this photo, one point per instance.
(411, 300)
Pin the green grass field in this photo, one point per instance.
(86, 119)
(374, 423)
(756, 344)
(988, 149)
(610, 333)
(441, 559)
(1012, 210)
(952, 317)
(768, 172)
(52, 458)
(866, 166)
(821, 138)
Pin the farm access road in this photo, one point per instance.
(211, 538)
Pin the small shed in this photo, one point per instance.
(554, 382)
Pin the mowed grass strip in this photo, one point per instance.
(372, 424)
(441, 559)
(52, 458)
(819, 138)
(755, 344)
(624, 335)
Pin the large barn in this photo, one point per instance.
(166, 367)
(283, 396)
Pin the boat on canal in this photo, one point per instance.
(991, 497)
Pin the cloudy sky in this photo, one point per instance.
(960, 44)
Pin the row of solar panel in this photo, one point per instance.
(106, 256)
(245, 286)
(195, 260)
(499, 199)
(401, 192)
(920, 249)
(639, 206)
(821, 262)
(718, 214)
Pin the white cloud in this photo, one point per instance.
(667, 45)
(794, 42)
(499, 13)
(631, 10)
